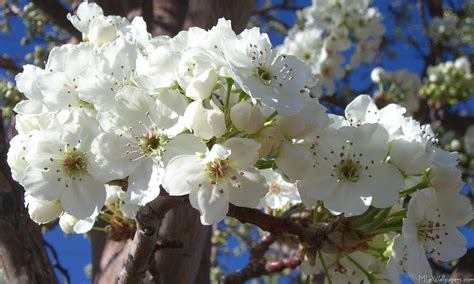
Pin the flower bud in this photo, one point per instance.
(247, 118)
(101, 31)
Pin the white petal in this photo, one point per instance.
(183, 174)
(183, 144)
(44, 185)
(294, 160)
(110, 159)
(43, 211)
(243, 152)
(248, 188)
(212, 201)
(201, 87)
(83, 197)
(144, 182)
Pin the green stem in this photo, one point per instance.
(321, 258)
(271, 116)
(227, 101)
(99, 229)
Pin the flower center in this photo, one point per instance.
(74, 163)
(217, 169)
(264, 75)
(349, 170)
(150, 143)
(274, 188)
(427, 230)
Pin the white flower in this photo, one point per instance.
(59, 165)
(205, 123)
(246, 117)
(432, 226)
(280, 192)
(406, 261)
(101, 30)
(275, 79)
(86, 13)
(349, 173)
(224, 175)
(132, 145)
(43, 211)
(70, 224)
(377, 75)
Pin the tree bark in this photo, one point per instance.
(23, 256)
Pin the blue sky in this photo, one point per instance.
(74, 250)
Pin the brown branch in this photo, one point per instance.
(57, 13)
(9, 64)
(309, 236)
(148, 220)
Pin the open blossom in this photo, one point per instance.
(349, 171)
(432, 227)
(59, 165)
(221, 176)
(258, 69)
(280, 192)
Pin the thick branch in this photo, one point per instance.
(57, 13)
(148, 219)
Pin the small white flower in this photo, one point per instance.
(224, 175)
(70, 224)
(280, 192)
(275, 79)
(431, 225)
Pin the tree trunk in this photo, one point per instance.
(23, 257)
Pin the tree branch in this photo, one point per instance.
(148, 220)
(57, 13)
(9, 64)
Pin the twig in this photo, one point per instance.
(282, 6)
(275, 19)
(56, 263)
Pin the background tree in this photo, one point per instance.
(155, 250)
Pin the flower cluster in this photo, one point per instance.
(448, 83)
(330, 28)
(226, 119)
(401, 87)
